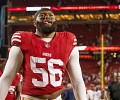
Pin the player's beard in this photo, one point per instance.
(46, 29)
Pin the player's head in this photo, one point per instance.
(117, 77)
(45, 21)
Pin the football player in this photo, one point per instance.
(44, 56)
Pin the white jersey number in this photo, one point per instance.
(45, 74)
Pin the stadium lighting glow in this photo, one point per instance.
(81, 47)
(96, 48)
(110, 7)
(35, 8)
(16, 9)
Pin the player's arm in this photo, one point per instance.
(108, 94)
(75, 75)
(11, 68)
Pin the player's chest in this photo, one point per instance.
(46, 49)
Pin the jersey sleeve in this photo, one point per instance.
(71, 42)
(72, 38)
(20, 39)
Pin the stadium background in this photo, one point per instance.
(94, 22)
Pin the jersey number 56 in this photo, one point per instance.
(45, 75)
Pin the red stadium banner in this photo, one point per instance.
(112, 7)
(109, 7)
(96, 48)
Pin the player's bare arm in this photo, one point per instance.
(75, 74)
(12, 66)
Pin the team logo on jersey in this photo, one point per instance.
(47, 45)
(47, 54)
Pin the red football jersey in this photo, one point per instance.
(0, 73)
(44, 62)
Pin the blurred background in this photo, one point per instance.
(96, 24)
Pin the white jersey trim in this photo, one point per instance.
(16, 40)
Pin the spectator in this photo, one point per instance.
(114, 87)
(90, 92)
(68, 93)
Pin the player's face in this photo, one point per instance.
(118, 78)
(46, 23)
